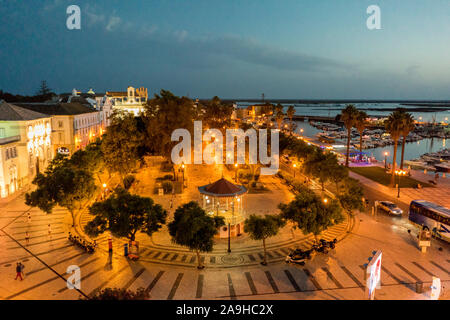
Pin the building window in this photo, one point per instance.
(2, 132)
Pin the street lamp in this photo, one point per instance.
(301, 131)
(235, 172)
(399, 173)
(385, 159)
(294, 165)
(325, 200)
(182, 167)
(104, 190)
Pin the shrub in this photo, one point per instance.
(121, 294)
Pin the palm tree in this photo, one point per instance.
(279, 118)
(290, 113)
(393, 125)
(407, 127)
(360, 125)
(348, 116)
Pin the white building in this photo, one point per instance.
(132, 100)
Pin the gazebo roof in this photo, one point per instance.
(222, 188)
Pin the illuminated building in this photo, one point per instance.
(74, 125)
(25, 146)
(132, 100)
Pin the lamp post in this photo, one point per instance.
(294, 166)
(325, 200)
(399, 173)
(182, 167)
(235, 172)
(104, 190)
(385, 159)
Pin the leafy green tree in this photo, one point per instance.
(321, 165)
(120, 144)
(216, 114)
(351, 198)
(361, 124)
(124, 214)
(393, 125)
(261, 228)
(338, 174)
(163, 114)
(192, 227)
(91, 159)
(62, 185)
(349, 116)
(312, 215)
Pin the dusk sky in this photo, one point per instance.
(233, 49)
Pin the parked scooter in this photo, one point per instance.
(325, 246)
(300, 256)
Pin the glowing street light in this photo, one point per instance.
(325, 200)
(235, 172)
(399, 173)
(385, 159)
(294, 166)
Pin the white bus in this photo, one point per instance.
(431, 216)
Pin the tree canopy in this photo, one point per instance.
(163, 114)
(124, 214)
(120, 144)
(309, 213)
(62, 184)
(192, 227)
(261, 228)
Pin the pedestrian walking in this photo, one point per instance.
(22, 266)
(171, 203)
(27, 238)
(49, 230)
(18, 271)
(29, 217)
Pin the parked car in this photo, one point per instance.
(390, 207)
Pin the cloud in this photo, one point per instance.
(251, 51)
(113, 23)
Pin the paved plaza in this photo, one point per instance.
(169, 272)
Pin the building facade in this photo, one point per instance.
(74, 125)
(25, 146)
(132, 100)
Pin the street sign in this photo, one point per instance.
(374, 272)
(435, 288)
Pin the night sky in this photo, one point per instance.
(234, 49)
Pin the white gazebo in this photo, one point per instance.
(223, 198)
